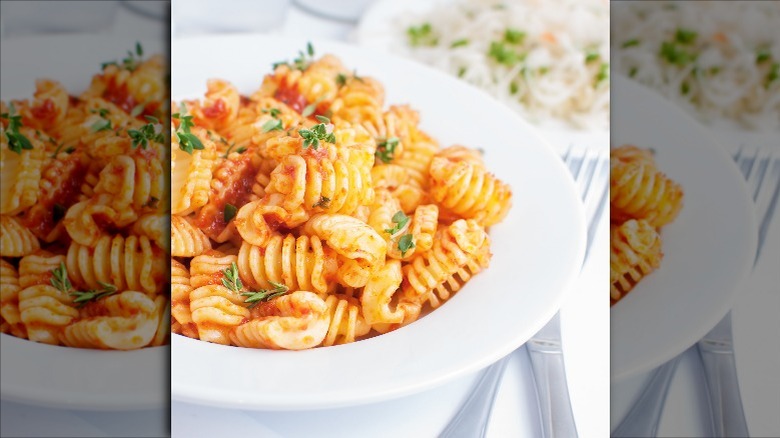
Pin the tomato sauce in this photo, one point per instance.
(291, 98)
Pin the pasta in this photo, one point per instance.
(84, 210)
(331, 218)
(642, 200)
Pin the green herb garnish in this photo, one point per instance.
(385, 149)
(232, 281)
(312, 137)
(61, 282)
(187, 140)
(324, 202)
(130, 62)
(684, 36)
(459, 43)
(675, 54)
(145, 134)
(16, 141)
(504, 55)
(405, 243)
(630, 43)
(400, 220)
(273, 112)
(303, 60)
(514, 36)
(240, 150)
(421, 35)
(229, 212)
(273, 125)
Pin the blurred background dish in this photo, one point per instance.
(195, 17)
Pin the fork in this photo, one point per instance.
(591, 174)
(715, 349)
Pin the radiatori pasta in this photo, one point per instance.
(306, 214)
(84, 211)
(642, 200)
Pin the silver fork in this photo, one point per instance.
(591, 173)
(715, 349)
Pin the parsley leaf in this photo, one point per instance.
(514, 36)
(630, 43)
(421, 35)
(187, 140)
(385, 149)
(400, 220)
(145, 134)
(504, 55)
(273, 125)
(405, 243)
(229, 213)
(324, 202)
(459, 43)
(685, 36)
(312, 137)
(16, 140)
(274, 112)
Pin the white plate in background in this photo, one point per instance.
(708, 250)
(61, 377)
(537, 250)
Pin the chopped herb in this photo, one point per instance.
(461, 72)
(684, 36)
(685, 88)
(773, 75)
(303, 60)
(57, 212)
(674, 54)
(405, 243)
(274, 112)
(137, 110)
(421, 35)
(83, 298)
(149, 132)
(763, 55)
(713, 70)
(603, 73)
(230, 212)
(460, 43)
(514, 36)
(400, 220)
(312, 137)
(240, 150)
(385, 149)
(68, 150)
(630, 43)
(341, 79)
(16, 140)
(513, 87)
(59, 279)
(324, 202)
(232, 280)
(309, 110)
(591, 55)
(132, 60)
(633, 71)
(254, 298)
(187, 140)
(273, 125)
(504, 55)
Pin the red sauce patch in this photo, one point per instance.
(216, 111)
(119, 96)
(291, 97)
(46, 111)
(240, 179)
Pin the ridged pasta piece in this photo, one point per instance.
(9, 300)
(144, 83)
(630, 153)
(318, 83)
(20, 173)
(360, 101)
(635, 252)
(49, 106)
(37, 268)
(639, 191)
(460, 251)
(231, 184)
(155, 227)
(257, 221)
(59, 185)
(396, 179)
(378, 294)
(208, 268)
(297, 321)
(129, 263)
(125, 321)
(135, 184)
(220, 107)
(419, 151)
(462, 153)
(191, 174)
(467, 189)
(346, 321)
(16, 240)
(45, 311)
(216, 310)
(187, 240)
(162, 314)
(362, 249)
(302, 263)
(321, 180)
(85, 221)
(180, 299)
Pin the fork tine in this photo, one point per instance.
(766, 219)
